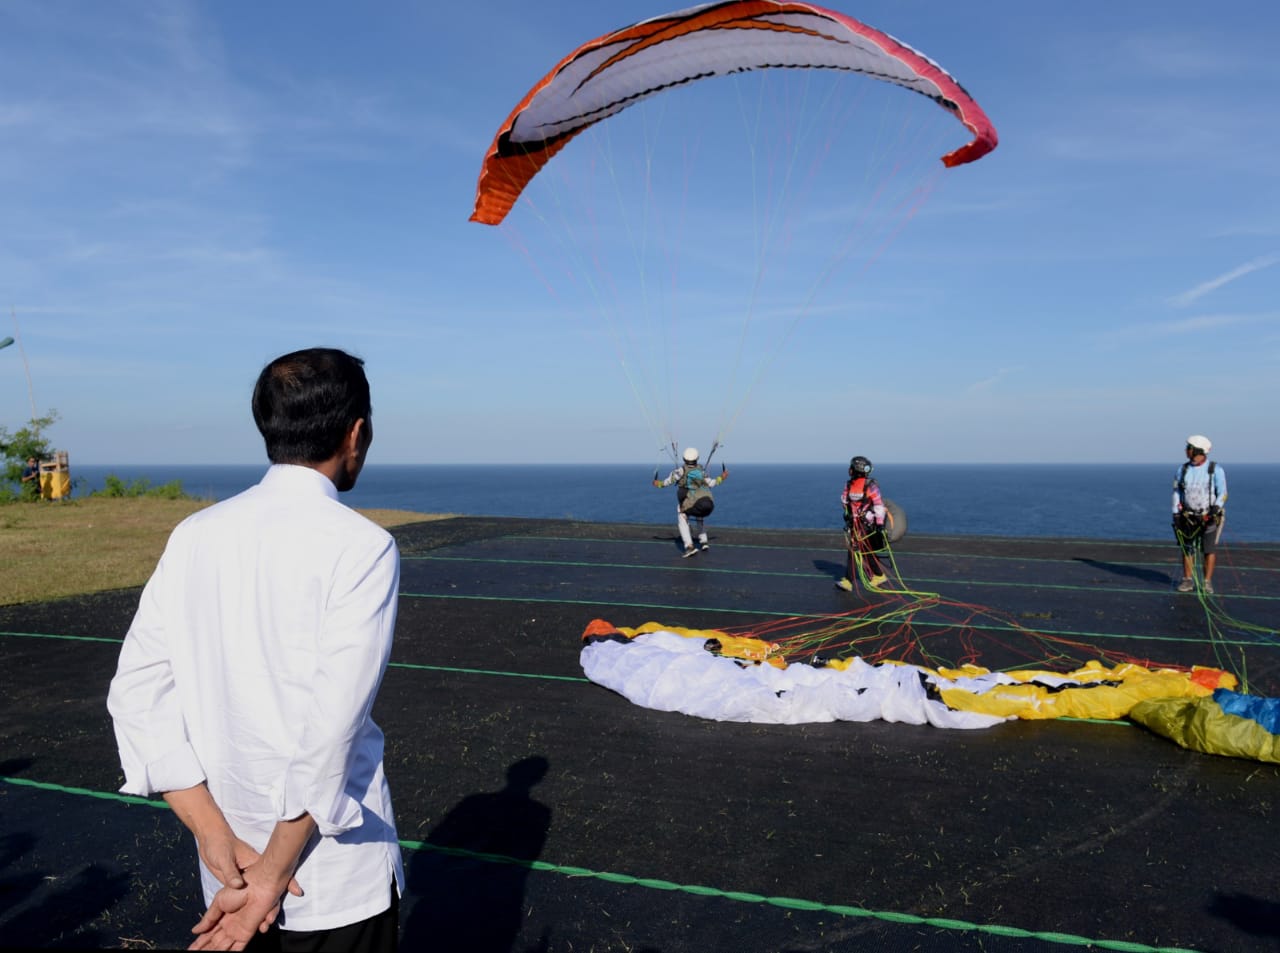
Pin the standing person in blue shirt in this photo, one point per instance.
(693, 498)
(1199, 492)
(245, 683)
(31, 479)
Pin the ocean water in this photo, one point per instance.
(1100, 501)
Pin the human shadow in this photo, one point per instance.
(829, 568)
(677, 542)
(673, 539)
(468, 880)
(1132, 572)
(11, 766)
(1253, 915)
(54, 910)
(15, 888)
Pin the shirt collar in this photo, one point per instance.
(297, 478)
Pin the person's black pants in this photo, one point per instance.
(378, 934)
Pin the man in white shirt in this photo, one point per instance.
(245, 684)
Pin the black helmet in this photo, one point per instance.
(861, 466)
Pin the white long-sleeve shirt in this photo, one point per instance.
(252, 664)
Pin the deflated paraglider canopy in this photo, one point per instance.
(1225, 723)
(610, 73)
(715, 675)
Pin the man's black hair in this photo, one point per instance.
(305, 404)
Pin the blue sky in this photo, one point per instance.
(191, 189)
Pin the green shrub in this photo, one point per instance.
(15, 448)
(115, 487)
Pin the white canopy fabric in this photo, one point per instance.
(669, 672)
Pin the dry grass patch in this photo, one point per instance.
(51, 550)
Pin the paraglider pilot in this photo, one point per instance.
(693, 497)
(1198, 495)
(864, 514)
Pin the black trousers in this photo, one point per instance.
(378, 934)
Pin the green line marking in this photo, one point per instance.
(838, 545)
(483, 671)
(1115, 722)
(595, 564)
(578, 679)
(407, 665)
(649, 883)
(720, 610)
(85, 792)
(715, 570)
(69, 638)
(650, 606)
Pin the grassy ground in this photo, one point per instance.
(50, 550)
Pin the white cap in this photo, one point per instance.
(691, 455)
(1200, 442)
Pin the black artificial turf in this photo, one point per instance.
(541, 812)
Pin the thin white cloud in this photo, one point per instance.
(157, 84)
(1200, 290)
(1183, 55)
(989, 384)
(1162, 97)
(1259, 229)
(1115, 127)
(1199, 324)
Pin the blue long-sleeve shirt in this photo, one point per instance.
(1197, 492)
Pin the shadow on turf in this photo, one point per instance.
(470, 894)
(1131, 572)
(828, 568)
(676, 542)
(1253, 915)
(50, 908)
(15, 766)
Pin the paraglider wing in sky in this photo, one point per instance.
(610, 73)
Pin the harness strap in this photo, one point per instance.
(1182, 485)
(867, 484)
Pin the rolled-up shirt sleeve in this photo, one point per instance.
(155, 751)
(354, 647)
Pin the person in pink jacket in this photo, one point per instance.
(864, 515)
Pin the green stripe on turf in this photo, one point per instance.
(650, 883)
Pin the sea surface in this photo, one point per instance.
(1104, 501)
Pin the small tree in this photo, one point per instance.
(16, 448)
